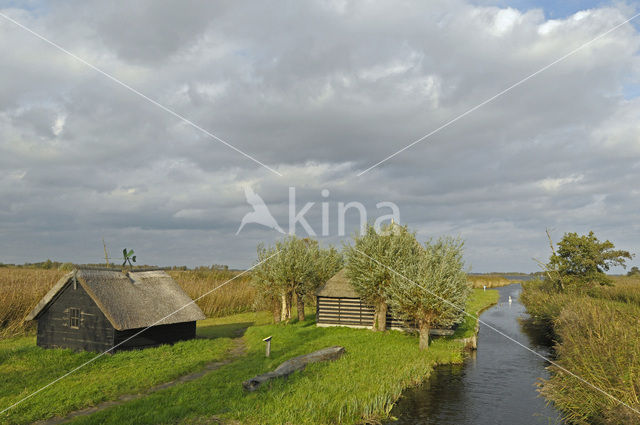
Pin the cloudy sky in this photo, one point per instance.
(318, 92)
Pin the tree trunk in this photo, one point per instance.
(425, 327)
(289, 304)
(283, 307)
(380, 317)
(300, 305)
(291, 365)
(276, 309)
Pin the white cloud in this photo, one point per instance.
(553, 185)
(58, 125)
(505, 20)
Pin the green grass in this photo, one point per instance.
(363, 384)
(231, 326)
(24, 368)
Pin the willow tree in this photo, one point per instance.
(299, 267)
(265, 279)
(320, 265)
(371, 261)
(432, 291)
(291, 268)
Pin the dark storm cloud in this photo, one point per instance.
(319, 91)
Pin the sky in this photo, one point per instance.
(187, 104)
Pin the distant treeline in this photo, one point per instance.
(58, 265)
(506, 274)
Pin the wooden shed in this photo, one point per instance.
(338, 304)
(97, 309)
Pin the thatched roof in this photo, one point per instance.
(338, 286)
(130, 300)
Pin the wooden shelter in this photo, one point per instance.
(97, 309)
(338, 304)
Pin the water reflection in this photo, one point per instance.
(495, 386)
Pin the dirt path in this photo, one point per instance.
(238, 349)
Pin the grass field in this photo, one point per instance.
(363, 384)
(597, 337)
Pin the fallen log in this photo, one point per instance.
(291, 365)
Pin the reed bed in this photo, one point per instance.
(236, 296)
(488, 280)
(20, 291)
(597, 338)
(600, 342)
(22, 288)
(624, 289)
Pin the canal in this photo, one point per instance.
(496, 385)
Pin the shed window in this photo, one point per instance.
(74, 318)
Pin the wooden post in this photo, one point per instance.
(106, 256)
(268, 349)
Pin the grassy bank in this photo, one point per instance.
(363, 384)
(597, 338)
(22, 288)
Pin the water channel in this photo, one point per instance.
(496, 385)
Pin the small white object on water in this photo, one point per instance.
(509, 299)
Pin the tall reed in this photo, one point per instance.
(20, 291)
(227, 293)
(598, 339)
(488, 280)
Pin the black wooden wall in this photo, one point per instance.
(95, 332)
(156, 335)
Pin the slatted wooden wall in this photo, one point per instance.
(351, 312)
(343, 311)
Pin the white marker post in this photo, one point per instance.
(268, 350)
